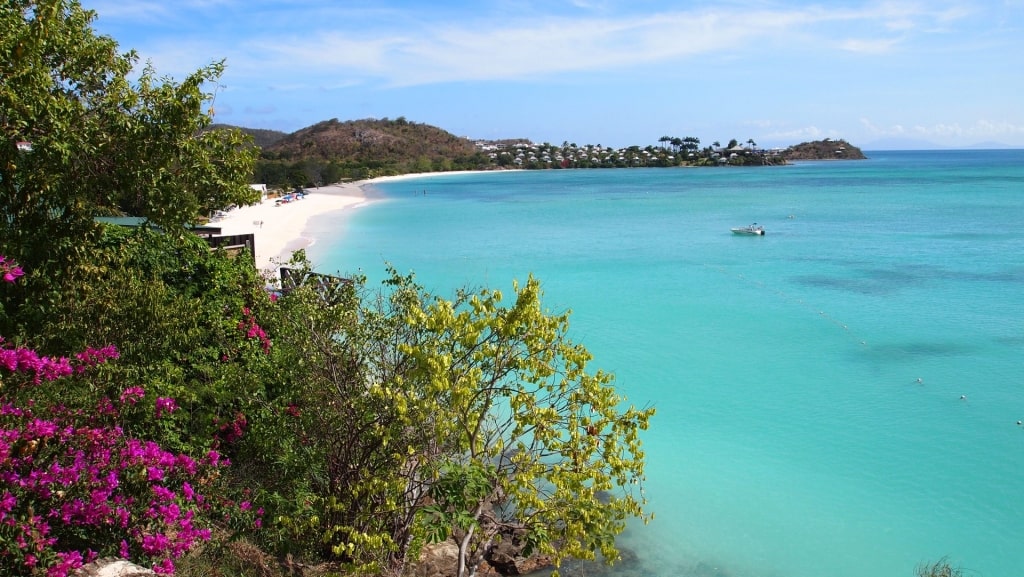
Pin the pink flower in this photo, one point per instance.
(68, 479)
(165, 567)
(69, 561)
(10, 269)
(213, 457)
(12, 274)
(165, 405)
(131, 395)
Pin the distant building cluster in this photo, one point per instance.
(673, 152)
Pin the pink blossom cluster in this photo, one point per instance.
(10, 269)
(62, 479)
(232, 432)
(42, 368)
(72, 490)
(252, 330)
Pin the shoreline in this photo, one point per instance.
(280, 230)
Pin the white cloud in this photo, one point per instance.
(590, 54)
(804, 133)
(481, 48)
(876, 46)
(939, 130)
(948, 132)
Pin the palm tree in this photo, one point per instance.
(752, 144)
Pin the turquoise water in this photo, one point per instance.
(792, 438)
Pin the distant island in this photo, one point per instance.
(826, 149)
(333, 151)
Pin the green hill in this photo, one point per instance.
(263, 138)
(390, 141)
(331, 151)
(826, 149)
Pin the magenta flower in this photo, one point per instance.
(63, 475)
(165, 405)
(12, 274)
(10, 269)
(132, 395)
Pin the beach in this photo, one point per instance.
(280, 229)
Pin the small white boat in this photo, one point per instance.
(753, 230)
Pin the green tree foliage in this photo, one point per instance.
(420, 419)
(99, 143)
(79, 139)
(557, 453)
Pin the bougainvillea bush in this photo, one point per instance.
(74, 486)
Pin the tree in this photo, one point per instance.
(423, 419)
(691, 144)
(99, 143)
(553, 451)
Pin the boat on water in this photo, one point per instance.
(753, 230)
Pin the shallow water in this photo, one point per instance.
(793, 438)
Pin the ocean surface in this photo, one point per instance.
(837, 398)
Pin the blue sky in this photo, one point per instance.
(881, 74)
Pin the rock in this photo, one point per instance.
(506, 557)
(438, 560)
(110, 567)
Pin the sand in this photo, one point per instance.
(281, 229)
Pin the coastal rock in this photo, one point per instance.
(438, 560)
(110, 567)
(506, 557)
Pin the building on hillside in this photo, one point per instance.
(233, 244)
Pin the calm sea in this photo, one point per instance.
(838, 398)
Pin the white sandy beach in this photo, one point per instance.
(280, 230)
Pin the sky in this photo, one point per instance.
(883, 74)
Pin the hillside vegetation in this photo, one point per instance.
(826, 149)
(262, 138)
(333, 151)
(390, 141)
